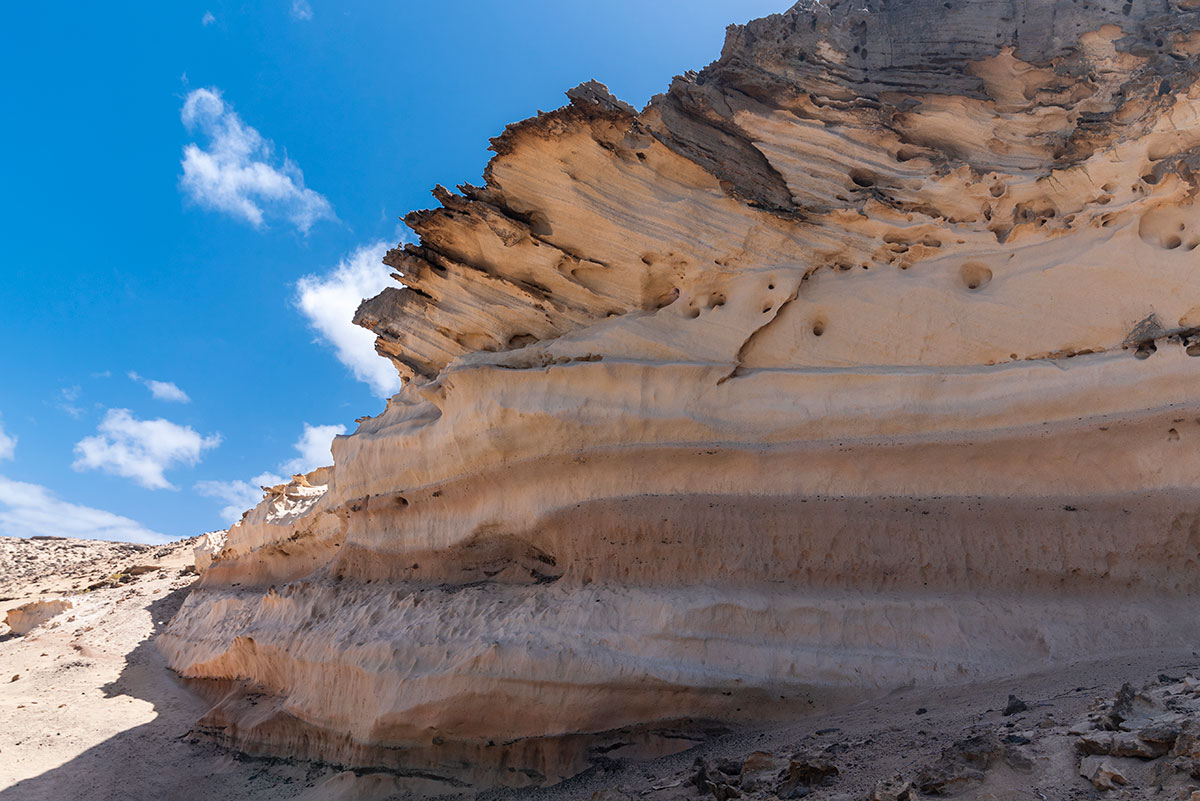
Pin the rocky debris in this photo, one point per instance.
(966, 762)
(763, 774)
(24, 562)
(25, 618)
(894, 789)
(1159, 752)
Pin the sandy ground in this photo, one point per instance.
(88, 710)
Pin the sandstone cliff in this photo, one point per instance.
(862, 358)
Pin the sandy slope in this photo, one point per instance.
(87, 707)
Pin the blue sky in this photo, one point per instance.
(194, 194)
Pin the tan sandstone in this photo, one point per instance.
(863, 358)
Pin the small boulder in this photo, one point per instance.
(804, 772)
(1121, 744)
(1101, 773)
(761, 771)
(894, 789)
(1014, 706)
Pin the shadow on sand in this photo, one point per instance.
(155, 761)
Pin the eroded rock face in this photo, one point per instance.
(863, 357)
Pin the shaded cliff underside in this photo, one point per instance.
(863, 357)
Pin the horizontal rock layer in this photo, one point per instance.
(864, 357)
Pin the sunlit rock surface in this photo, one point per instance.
(863, 357)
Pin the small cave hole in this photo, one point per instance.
(818, 328)
(401, 501)
(767, 309)
(521, 340)
(975, 275)
(716, 300)
(1193, 350)
(770, 286)
(539, 224)
(1172, 242)
(862, 179)
(1172, 434)
(1145, 350)
(693, 313)
(997, 190)
(1150, 178)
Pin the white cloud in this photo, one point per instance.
(141, 449)
(314, 449)
(162, 390)
(8, 444)
(238, 495)
(329, 302)
(301, 10)
(28, 510)
(207, 19)
(235, 174)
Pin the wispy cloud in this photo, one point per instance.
(238, 496)
(314, 451)
(162, 390)
(67, 397)
(141, 449)
(301, 10)
(207, 19)
(237, 174)
(329, 302)
(8, 443)
(28, 510)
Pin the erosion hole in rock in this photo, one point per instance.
(1145, 350)
(975, 275)
(716, 300)
(667, 298)
(818, 328)
(539, 224)
(862, 178)
(521, 340)
(1163, 227)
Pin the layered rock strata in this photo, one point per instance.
(863, 357)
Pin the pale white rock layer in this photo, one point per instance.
(863, 358)
(27, 617)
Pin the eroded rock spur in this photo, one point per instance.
(828, 372)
